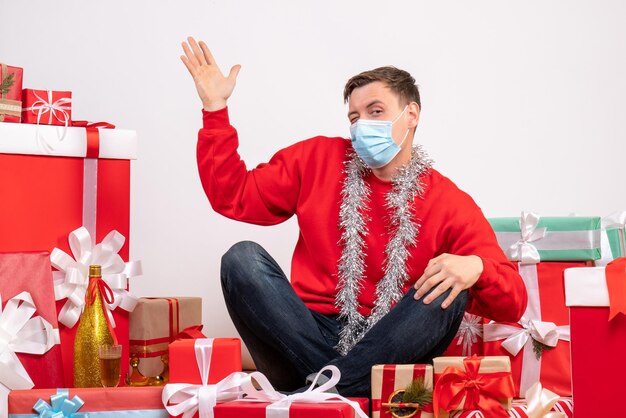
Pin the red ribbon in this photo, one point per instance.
(480, 390)
(192, 332)
(616, 284)
(93, 135)
(106, 295)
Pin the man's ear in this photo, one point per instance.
(414, 114)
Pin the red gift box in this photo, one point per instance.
(10, 93)
(469, 383)
(47, 200)
(196, 363)
(225, 359)
(545, 321)
(31, 272)
(120, 401)
(47, 107)
(388, 379)
(519, 409)
(469, 337)
(296, 410)
(595, 297)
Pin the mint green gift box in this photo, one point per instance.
(549, 238)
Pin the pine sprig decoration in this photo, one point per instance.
(539, 348)
(405, 403)
(417, 392)
(7, 83)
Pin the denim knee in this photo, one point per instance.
(238, 258)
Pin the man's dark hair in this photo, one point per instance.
(399, 81)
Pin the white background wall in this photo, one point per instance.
(523, 102)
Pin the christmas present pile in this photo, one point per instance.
(539, 344)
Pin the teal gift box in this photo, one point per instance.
(532, 238)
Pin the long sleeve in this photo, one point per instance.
(265, 195)
(499, 293)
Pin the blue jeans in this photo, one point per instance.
(289, 341)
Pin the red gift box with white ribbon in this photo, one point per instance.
(30, 356)
(596, 297)
(538, 344)
(47, 107)
(54, 190)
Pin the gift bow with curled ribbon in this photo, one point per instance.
(187, 399)
(539, 402)
(480, 390)
(21, 332)
(523, 250)
(516, 339)
(72, 279)
(615, 273)
(470, 330)
(280, 403)
(60, 406)
(54, 109)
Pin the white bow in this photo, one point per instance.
(540, 401)
(523, 250)
(280, 403)
(72, 279)
(55, 110)
(515, 338)
(469, 332)
(20, 332)
(187, 399)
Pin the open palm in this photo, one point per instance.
(213, 88)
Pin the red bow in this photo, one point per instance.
(106, 296)
(616, 284)
(93, 135)
(480, 390)
(192, 332)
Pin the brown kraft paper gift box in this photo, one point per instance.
(154, 324)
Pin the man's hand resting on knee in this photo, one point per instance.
(448, 271)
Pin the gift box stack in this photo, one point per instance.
(476, 386)
(66, 187)
(542, 247)
(545, 251)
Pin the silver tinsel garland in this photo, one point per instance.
(353, 220)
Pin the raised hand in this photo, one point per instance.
(213, 88)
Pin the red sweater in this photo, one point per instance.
(305, 179)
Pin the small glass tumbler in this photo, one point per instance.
(110, 360)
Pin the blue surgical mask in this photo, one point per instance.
(373, 142)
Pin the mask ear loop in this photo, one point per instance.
(400, 115)
(408, 129)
